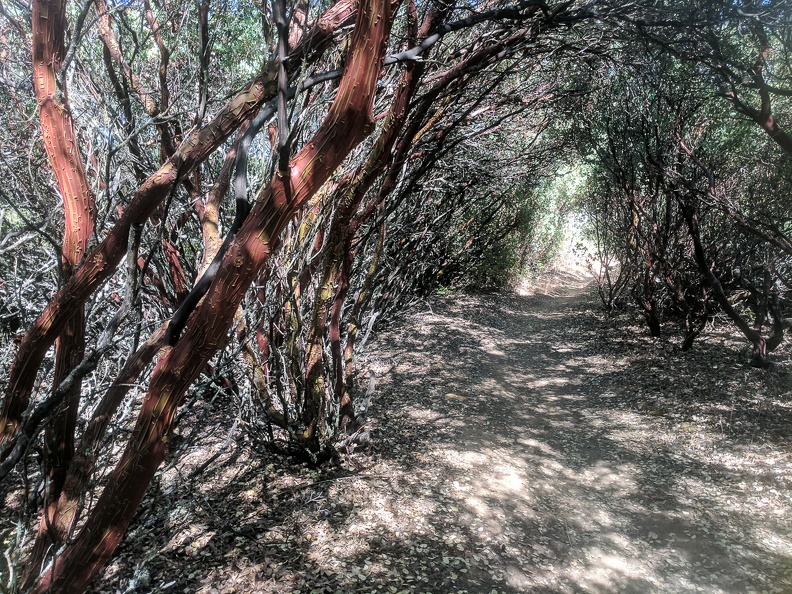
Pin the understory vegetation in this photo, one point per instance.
(223, 201)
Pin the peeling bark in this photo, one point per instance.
(60, 142)
(101, 262)
(345, 126)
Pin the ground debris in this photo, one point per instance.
(521, 444)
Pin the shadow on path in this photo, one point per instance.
(520, 418)
(521, 444)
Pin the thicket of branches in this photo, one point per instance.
(230, 196)
(685, 199)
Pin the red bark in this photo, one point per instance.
(339, 257)
(62, 512)
(102, 261)
(345, 126)
(769, 124)
(60, 143)
(105, 26)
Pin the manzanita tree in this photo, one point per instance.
(387, 146)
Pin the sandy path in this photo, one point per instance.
(520, 444)
(534, 460)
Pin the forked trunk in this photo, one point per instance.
(347, 123)
(100, 263)
(60, 141)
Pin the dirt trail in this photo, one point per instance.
(546, 463)
(520, 444)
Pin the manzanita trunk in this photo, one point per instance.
(347, 123)
(761, 345)
(60, 143)
(100, 263)
(339, 256)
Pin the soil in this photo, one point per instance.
(519, 443)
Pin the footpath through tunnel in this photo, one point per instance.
(519, 444)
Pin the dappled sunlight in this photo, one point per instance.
(500, 464)
(575, 496)
(550, 381)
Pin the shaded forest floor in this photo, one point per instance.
(520, 444)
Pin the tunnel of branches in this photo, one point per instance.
(232, 196)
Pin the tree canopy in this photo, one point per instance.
(230, 196)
